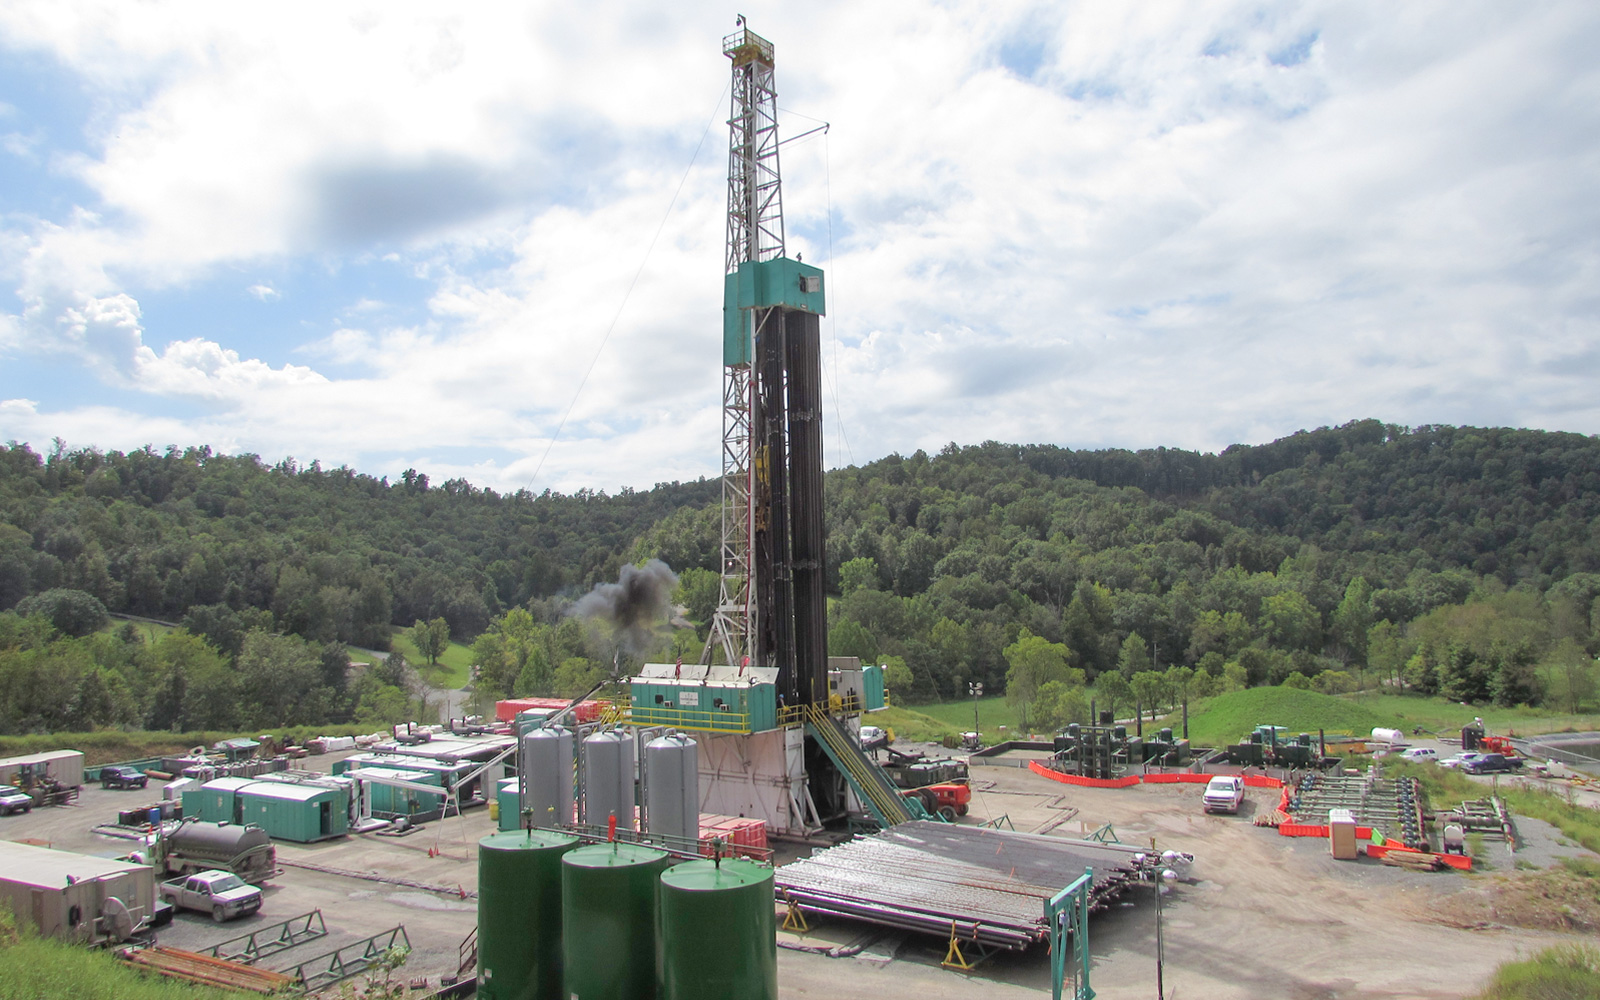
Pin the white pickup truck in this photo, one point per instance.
(222, 894)
(1224, 793)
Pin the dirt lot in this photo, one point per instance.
(1260, 915)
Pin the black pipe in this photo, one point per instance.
(804, 364)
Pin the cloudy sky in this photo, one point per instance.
(397, 235)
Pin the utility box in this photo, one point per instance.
(1342, 834)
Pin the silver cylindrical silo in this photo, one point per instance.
(547, 776)
(672, 786)
(608, 779)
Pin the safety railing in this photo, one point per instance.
(698, 720)
(881, 798)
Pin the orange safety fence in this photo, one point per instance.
(1129, 780)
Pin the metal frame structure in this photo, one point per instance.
(755, 233)
(250, 948)
(1068, 914)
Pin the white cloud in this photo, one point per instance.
(1090, 224)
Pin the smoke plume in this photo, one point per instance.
(633, 605)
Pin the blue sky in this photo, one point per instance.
(399, 235)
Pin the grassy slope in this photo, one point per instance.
(1230, 717)
(31, 968)
(453, 669)
(1565, 971)
(1447, 788)
(1444, 716)
(993, 712)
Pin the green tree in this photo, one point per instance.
(72, 612)
(1290, 622)
(279, 681)
(1133, 657)
(577, 675)
(698, 592)
(1179, 680)
(1034, 661)
(1148, 687)
(1352, 619)
(1297, 680)
(431, 638)
(851, 638)
(860, 573)
(896, 675)
(1112, 689)
(1569, 675)
(1058, 703)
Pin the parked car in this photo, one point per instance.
(222, 894)
(873, 738)
(1419, 753)
(123, 776)
(1460, 759)
(1491, 763)
(14, 799)
(1224, 793)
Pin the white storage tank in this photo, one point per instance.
(608, 779)
(546, 767)
(672, 786)
(1393, 737)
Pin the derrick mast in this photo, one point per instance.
(771, 611)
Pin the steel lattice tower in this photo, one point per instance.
(755, 233)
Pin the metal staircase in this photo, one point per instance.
(871, 785)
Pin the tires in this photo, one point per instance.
(962, 811)
(948, 812)
(218, 914)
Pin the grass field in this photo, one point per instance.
(1442, 716)
(31, 967)
(1447, 787)
(993, 712)
(453, 670)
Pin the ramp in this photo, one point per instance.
(870, 784)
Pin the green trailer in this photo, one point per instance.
(216, 801)
(301, 813)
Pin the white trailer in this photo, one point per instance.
(76, 896)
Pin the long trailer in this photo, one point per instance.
(76, 896)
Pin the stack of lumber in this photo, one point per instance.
(1418, 861)
(194, 968)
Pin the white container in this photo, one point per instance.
(672, 786)
(1342, 835)
(1393, 737)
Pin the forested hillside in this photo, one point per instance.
(1459, 560)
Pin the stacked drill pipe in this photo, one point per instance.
(992, 885)
(1394, 807)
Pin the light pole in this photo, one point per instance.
(1158, 876)
(976, 688)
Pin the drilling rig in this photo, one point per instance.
(779, 732)
(771, 610)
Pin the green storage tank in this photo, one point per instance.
(608, 919)
(519, 914)
(717, 935)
